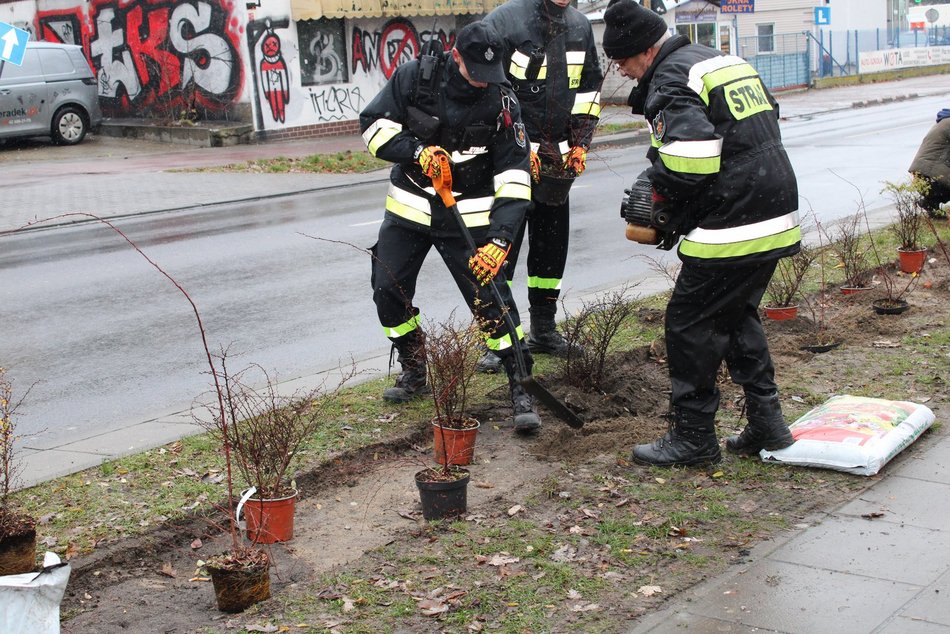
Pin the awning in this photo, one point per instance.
(316, 9)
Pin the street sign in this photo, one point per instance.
(932, 15)
(737, 6)
(823, 16)
(12, 43)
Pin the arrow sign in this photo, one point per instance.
(12, 43)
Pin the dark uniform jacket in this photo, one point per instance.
(717, 155)
(567, 116)
(487, 145)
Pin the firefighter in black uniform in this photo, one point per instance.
(720, 179)
(551, 61)
(454, 104)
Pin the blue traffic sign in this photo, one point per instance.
(12, 43)
(823, 16)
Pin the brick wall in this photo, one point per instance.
(308, 131)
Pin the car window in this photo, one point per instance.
(30, 70)
(55, 61)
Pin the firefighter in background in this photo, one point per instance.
(551, 61)
(721, 179)
(274, 80)
(466, 112)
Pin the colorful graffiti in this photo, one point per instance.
(157, 58)
(397, 43)
(275, 82)
(322, 46)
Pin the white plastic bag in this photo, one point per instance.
(853, 433)
(29, 602)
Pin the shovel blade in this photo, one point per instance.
(551, 402)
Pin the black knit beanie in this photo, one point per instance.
(631, 29)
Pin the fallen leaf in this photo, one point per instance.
(585, 608)
(168, 570)
(660, 480)
(649, 591)
(885, 343)
(718, 474)
(262, 628)
(432, 607)
(873, 515)
(502, 559)
(573, 594)
(621, 502)
(195, 545)
(484, 485)
(564, 553)
(348, 604)
(514, 510)
(200, 579)
(72, 550)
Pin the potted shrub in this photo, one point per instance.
(17, 529)
(909, 224)
(451, 352)
(851, 248)
(784, 288)
(265, 431)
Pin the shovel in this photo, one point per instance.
(443, 185)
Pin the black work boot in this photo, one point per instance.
(691, 440)
(411, 382)
(525, 413)
(544, 337)
(766, 428)
(489, 363)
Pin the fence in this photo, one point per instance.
(839, 50)
(782, 60)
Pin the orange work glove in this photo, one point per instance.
(428, 160)
(535, 167)
(576, 160)
(488, 260)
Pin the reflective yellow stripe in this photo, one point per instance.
(692, 157)
(380, 133)
(655, 142)
(745, 247)
(513, 184)
(519, 65)
(547, 283)
(758, 237)
(714, 72)
(405, 211)
(402, 329)
(476, 212)
(503, 343)
(574, 75)
(514, 190)
(587, 103)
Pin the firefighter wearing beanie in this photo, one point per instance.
(725, 190)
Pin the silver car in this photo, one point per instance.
(53, 93)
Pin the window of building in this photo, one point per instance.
(699, 33)
(766, 33)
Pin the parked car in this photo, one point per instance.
(53, 93)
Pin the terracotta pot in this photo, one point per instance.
(854, 290)
(442, 500)
(781, 313)
(912, 261)
(269, 521)
(552, 190)
(889, 306)
(237, 590)
(18, 553)
(458, 444)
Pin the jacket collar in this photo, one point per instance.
(638, 96)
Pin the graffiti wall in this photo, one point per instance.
(325, 71)
(215, 59)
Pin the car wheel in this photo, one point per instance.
(69, 126)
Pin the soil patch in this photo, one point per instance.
(362, 559)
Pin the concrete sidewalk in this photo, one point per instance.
(835, 573)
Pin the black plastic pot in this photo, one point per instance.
(442, 500)
(889, 306)
(552, 190)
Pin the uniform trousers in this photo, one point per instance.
(713, 316)
(398, 257)
(549, 229)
